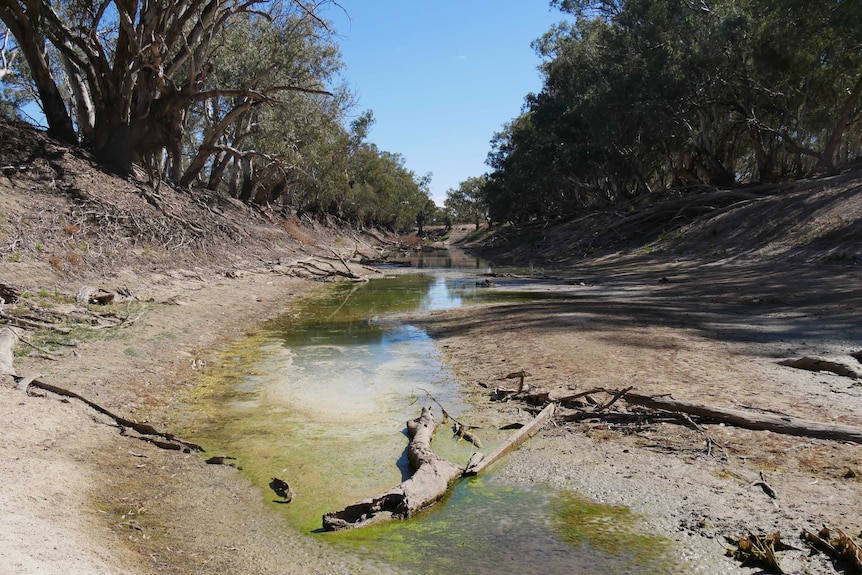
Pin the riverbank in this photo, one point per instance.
(707, 333)
(83, 497)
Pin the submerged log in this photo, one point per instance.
(430, 481)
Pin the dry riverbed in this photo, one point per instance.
(81, 497)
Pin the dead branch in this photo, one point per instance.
(572, 400)
(8, 339)
(142, 428)
(460, 429)
(429, 482)
(519, 375)
(47, 353)
(477, 466)
(22, 322)
(761, 421)
(709, 440)
(464, 432)
(616, 396)
(765, 486)
(341, 259)
(319, 268)
(815, 364)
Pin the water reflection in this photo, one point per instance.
(349, 314)
(445, 259)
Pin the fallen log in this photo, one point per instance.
(430, 481)
(478, 465)
(817, 364)
(761, 421)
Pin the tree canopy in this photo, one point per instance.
(467, 203)
(239, 95)
(644, 95)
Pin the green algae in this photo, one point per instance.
(487, 526)
(612, 529)
(245, 405)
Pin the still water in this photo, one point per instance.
(320, 397)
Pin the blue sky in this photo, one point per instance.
(441, 76)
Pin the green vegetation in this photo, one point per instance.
(639, 97)
(608, 528)
(468, 202)
(239, 96)
(645, 96)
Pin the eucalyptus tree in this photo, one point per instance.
(258, 147)
(467, 202)
(643, 95)
(134, 69)
(8, 53)
(11, 92)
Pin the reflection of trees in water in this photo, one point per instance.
(348, 314)
(447, 259)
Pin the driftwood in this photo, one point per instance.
(173, 442)
(459, 428)
(478, 465)
(464, 432)
(8, 339)
(762, 421)
(815, 364)
(519, 375)
(430, 481)
(321, 268)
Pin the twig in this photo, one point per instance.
(48, 354)
(709, 440)
(767, 488)
(616, 397)
(460, 429)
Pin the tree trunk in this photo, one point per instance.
(430, 482)
(85, 113)
(849, 111)
(32, 46)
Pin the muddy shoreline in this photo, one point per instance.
(701, 332)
